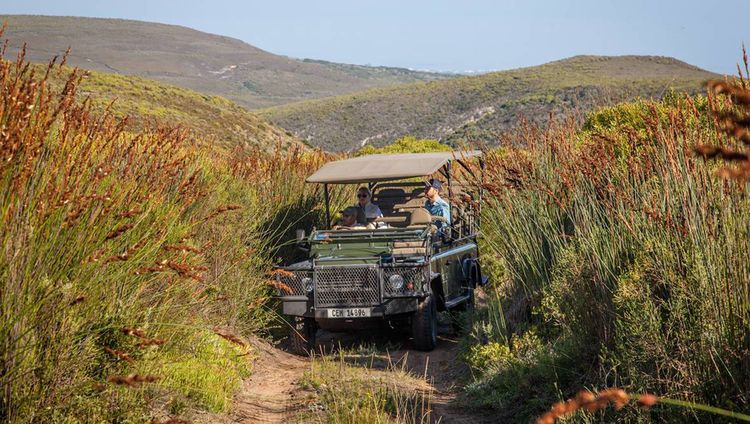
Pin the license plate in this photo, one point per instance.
(349, 313)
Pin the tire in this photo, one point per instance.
(302, 336)
(424, 325)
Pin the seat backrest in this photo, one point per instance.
(390, 193)
(403, 199)
(398, 198)
(398, 219)
(419, 216)
(387, 198)
(414, 203)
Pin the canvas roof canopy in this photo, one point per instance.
(389, 167)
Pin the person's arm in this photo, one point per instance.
(446, 212)
(373, 213)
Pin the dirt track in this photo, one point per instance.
(273, 393)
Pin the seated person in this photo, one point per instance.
(435, 204)
(367, 211)
(348, 220)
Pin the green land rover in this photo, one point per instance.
(400, 270)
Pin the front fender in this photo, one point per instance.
(472, 272)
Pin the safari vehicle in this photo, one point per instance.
(400, 270)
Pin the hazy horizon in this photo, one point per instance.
(479, 36)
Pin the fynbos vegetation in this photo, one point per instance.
(622, 260)
(136, 263)
(133, 263)
(477, 108)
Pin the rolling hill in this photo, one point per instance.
(477, 107)
(213, 119)
(188, 58)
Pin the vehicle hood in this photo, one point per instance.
(360, 244)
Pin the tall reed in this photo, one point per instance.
(625, 253)
(125, 254)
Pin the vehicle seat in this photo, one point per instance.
(413, 203)
(395, 219)
(386, 199)
(419, 218)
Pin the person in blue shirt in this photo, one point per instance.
(435, 205)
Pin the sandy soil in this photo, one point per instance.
(273, 393)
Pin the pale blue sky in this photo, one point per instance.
(470, 35)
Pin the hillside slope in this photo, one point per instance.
(188, 58)
(213, 119)
(476, 107)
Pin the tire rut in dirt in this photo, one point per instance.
(272, 394)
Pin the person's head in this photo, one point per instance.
(363, 195)
(349, 216)
(432, 188)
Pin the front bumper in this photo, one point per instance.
(351, 286)
(304, 306)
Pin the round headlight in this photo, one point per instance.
(396, 281)
(307, 283)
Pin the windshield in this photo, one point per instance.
(385, 206)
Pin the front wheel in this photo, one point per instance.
(424, 325)
(302, 336)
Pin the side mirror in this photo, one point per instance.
(300, 235)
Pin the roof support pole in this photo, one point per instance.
(328, 210)
(450, 190)
(481, 191)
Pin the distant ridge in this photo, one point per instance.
(197, 60)
(477, 107)
(214, 121)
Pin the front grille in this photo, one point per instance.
(292, 283)
(413, 277)
(347, 286)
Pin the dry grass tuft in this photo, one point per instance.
(120, 354)
(131, 380)
(734, 121)
(229, 337)
(130, 331)
(222, 209)
(171, 421)
(146, 342)
(278, 285)
(588, 401)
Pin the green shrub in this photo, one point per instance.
(207, 372)
(408, 144)
(483, 357)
